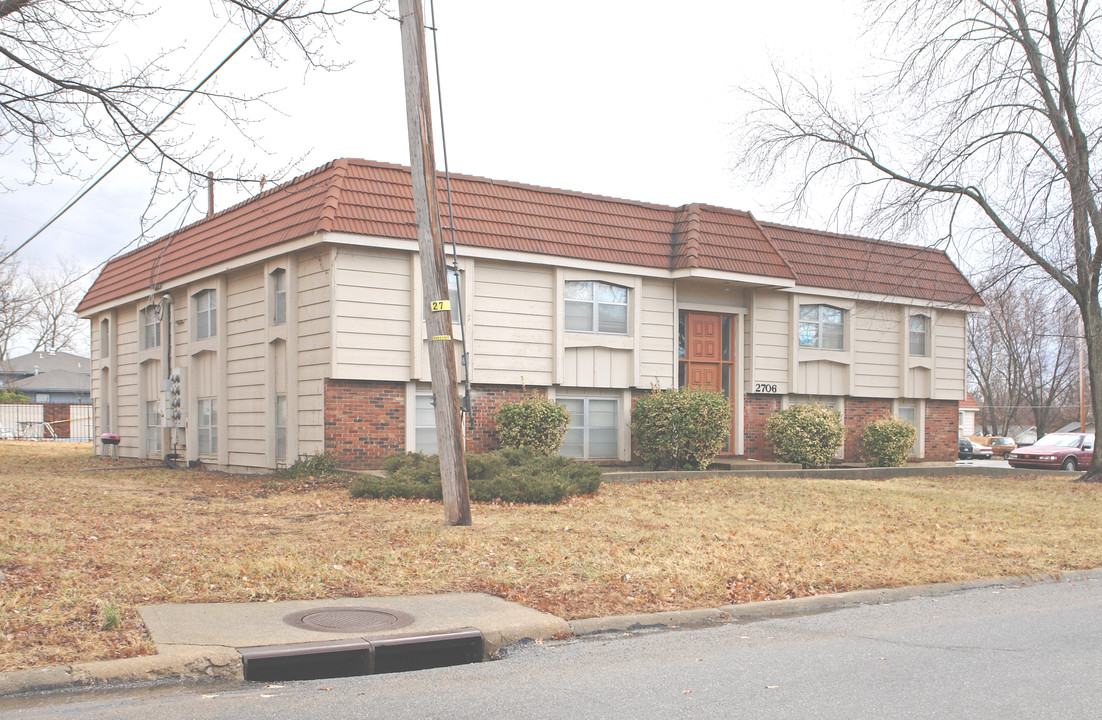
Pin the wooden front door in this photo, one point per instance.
(708, 359)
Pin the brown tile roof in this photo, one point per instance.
(846, 262)
(374, 199)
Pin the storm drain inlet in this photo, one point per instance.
(349, 619)
(361, 656)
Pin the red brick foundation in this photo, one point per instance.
(942, 428)
(756, 412)
(365, 421)
(859, 413)
(485, 401)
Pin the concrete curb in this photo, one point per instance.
(862, 473)
(814, 603)
(184, 662)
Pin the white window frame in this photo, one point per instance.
(280, 423)
(595, 304)
(586, 425)
(152, 429)
(420, 396)
(206, 426)
(924, 334)
(206, 318)
(919, 407)
(819, 325)
(151, 328)
(455, 294)
(278, 315)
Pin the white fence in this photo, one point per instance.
(27, 421)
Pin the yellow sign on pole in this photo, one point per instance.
(441, 305)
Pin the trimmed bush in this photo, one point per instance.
(319, 464)
(520, 475)
(534, 422)
(680, 428)
(806, 434)
(888, 441)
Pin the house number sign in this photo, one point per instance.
(441, 305)
(765, 388)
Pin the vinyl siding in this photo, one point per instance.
(772, 340)
(949, 356)
(126, 380)
(314, 331)
(372, 309)
(245, 406)
(877, 342)
(657, 363)
(512, 312)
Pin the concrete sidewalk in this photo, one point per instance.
(201, 640)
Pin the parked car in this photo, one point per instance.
(1003, 446)
(1056, 451)
(968, 450)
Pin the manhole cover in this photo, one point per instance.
(348, 619)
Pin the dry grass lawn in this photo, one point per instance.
(80, 537)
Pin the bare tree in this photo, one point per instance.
(1023, 357)
(53, 324)
(990, 119)
(63, 101)
(16, 306)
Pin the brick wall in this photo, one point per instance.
(365, 421)
(942, 418)
(859, 413)
(756, 412)
(57, 413)
(481, 429)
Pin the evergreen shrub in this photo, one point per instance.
(807, 434)
(680, 428)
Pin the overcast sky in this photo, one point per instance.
(637, 100)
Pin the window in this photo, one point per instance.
(206, 315)
(822, 326)
(919, 326)
(279, 296)
(42, 397)
(424, 424)
(594, 431)
(909, 413)
(152, 427)
(208, 426)
(151, 328)
(453, 294)
(105, 338)
(281, 427)
(596, 307)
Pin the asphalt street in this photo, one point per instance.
(1019, 651)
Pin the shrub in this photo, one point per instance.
(680, 428)
(806, 434)
(317, 465)
(534, 422)
(888, 441)
(11, 396)
(510, 475)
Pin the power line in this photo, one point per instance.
(146, 135)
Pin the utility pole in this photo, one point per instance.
(422, 162)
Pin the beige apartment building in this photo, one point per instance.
(293, 323)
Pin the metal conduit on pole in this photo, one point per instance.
(453, 462)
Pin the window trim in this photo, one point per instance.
(211, 313)
(211, 428)
(280, 429)
(278, 297)
(919, 405)
(150, 323)
(595, 315)
(819, 325)
(152, 432)
(586, 427)
(925, 335)
(105, 338)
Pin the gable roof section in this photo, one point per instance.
(374, 199)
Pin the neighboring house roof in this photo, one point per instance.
(1073, 427)
(969, 403)
(44, 361)
(375, 199)
(54, 381)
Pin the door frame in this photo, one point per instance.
(737, 363)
